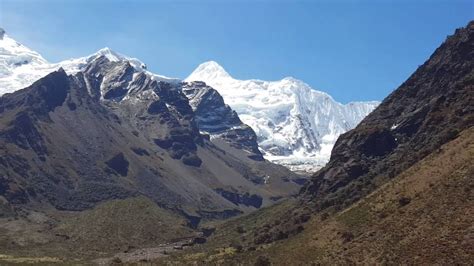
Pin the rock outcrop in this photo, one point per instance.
(217, 119)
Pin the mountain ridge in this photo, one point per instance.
(20, 66)
(307, 151)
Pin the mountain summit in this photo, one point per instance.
(296, 125)
(209, 70)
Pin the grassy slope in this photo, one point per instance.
(117, 224)
(111, 227)
(424, 215)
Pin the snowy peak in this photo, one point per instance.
(14, 54)
(21, 66)
(210, 70)
(299, 86)
(295, 125)
(116, 57)
(107, 52)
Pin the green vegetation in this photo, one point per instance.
(354, 217)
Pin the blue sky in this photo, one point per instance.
(354, 50)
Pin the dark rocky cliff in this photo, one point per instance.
(426, 111)
(218, 120)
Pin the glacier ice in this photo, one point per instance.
(296, 125)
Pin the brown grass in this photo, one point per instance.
(423, 216)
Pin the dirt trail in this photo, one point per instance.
(148, 254)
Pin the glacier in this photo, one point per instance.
(296, 125)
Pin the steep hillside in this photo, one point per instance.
(422, 216)
(426, 111)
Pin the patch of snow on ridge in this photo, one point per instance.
(296, 125)
(17, 62)
(21, 66)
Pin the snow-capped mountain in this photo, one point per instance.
(21, 66)
(296, 125)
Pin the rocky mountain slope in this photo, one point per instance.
(296, 125)
(218, 120)
(426, 111)
(113, 132)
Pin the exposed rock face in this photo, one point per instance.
(427, 110)
(2, 33)
(218, 120)
(119, 164)
(245, 199)
(112, 131)
(157, 109)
